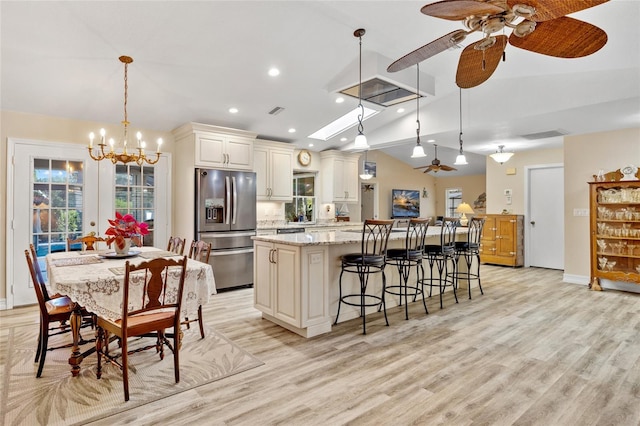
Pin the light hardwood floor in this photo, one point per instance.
(531, 350)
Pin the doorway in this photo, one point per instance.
(369, 200)
(545, 215)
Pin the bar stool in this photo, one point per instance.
(406, 258)
(370, 260)
(470, 249)
(441, 256)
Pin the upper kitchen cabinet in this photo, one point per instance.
(339, 177)
(216, 147)
(273, 164)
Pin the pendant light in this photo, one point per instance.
(365, 173)
(500, 156)
(460, 159)
(418, 150)
(361, 140)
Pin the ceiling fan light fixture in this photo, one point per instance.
(500, 156)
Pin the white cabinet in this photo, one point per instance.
(339, 177)
(215, 147)
(273, 164)
(290, 286)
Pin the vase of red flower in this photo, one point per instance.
(124, 231)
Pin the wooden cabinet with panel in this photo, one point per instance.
(273, 164)
(615, 229)
(502, 241)
(340, 181)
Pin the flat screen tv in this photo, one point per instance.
(405, 203)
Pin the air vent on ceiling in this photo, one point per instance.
(380, 92)
(276, 111)
(544, 135)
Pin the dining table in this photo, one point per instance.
(94, 280)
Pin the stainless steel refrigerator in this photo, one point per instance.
(226, 217)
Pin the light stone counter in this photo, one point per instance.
(296, 277)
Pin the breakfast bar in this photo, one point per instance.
(296, 277)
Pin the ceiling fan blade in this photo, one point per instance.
(447, 168)
(470, 68)
(563, 38)
(428, 50)
(421, 167)
(457, 10)
(430, 168)
(546, 10)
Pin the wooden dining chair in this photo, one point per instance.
(176, 245)
(157, 309)
(88, 241)
(199, 251)
(54, 314)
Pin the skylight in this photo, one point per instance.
(343, 123)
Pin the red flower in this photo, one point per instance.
(125, 227)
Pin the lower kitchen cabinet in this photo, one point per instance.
(290, 286)
(502, 241)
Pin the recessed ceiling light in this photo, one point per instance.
(431, 140)
(292, 130)
(233, 110)
(310, 145)
(339, 100)
(400, 110)
(343, 139)
(274, 72)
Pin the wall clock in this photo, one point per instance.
(304, 157)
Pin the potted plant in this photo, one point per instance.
(124, 230)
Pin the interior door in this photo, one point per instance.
(546, 217)
(53, 196)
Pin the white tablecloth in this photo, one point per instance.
(96, 282)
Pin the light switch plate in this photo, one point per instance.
(508, 192)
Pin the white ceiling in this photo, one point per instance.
(195, 60)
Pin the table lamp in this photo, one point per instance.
(464, 208)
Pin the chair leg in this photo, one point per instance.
(455, 273)
(176, 351)
(339, 296)
(200, 322)
(99, 342)
(39, 348)
(44, 341)
(479, 284)
(125, 369)
(420, 268)
(384, 303)
(363, 289)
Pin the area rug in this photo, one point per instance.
(59, 399)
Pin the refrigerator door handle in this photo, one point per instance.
(227, 199)
(235, 200)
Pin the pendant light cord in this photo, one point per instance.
(361, 115)
(418, 104)
(460, 136)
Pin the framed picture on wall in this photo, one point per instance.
(370, 168)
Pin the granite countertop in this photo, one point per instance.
(272, 225)
(339, 237)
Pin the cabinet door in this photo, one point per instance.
(505, 236)
(339, 188)
(281, 175)
(261, 167)
(350, 179)
(210, 151)
(262, 277)
(239, 153)
(287, 284)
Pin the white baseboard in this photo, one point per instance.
(575, 279)
(3, 304)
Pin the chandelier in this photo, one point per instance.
(501, 156)
(124, 157)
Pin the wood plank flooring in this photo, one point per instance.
(530, 351)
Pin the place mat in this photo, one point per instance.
(117, 271)
(74, 261)
(157, 254)
(56, 398)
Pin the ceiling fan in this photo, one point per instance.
(539, 26)
(435, 165)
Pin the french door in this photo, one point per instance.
(56, 191)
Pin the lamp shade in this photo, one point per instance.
(461, 160)
(418, 152)
(361, 142)
(464, 208)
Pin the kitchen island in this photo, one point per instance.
(296, 277)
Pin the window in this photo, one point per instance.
(453, 199)
(134, 194)
(304, 199)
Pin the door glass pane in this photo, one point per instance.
(135, 195)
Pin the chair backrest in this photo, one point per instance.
(176, 245)
(375, 235)
(475, 231)
(39, 274)
(161, 281)
(416, 234)
(37, 285)
(200, 251)
(448, 233)
(88, 242)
